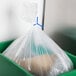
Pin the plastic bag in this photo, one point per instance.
(39, 54)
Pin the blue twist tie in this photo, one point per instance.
(38, 23)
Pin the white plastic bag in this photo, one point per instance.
(39, 54)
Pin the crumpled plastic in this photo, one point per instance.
(39, 54)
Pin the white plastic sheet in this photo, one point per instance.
(39, 54)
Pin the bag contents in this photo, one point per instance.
(39, 54)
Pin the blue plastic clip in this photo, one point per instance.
(42, 26)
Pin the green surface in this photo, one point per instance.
(73, 58)
(9, 68)
(72, 73)
(4, 45)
